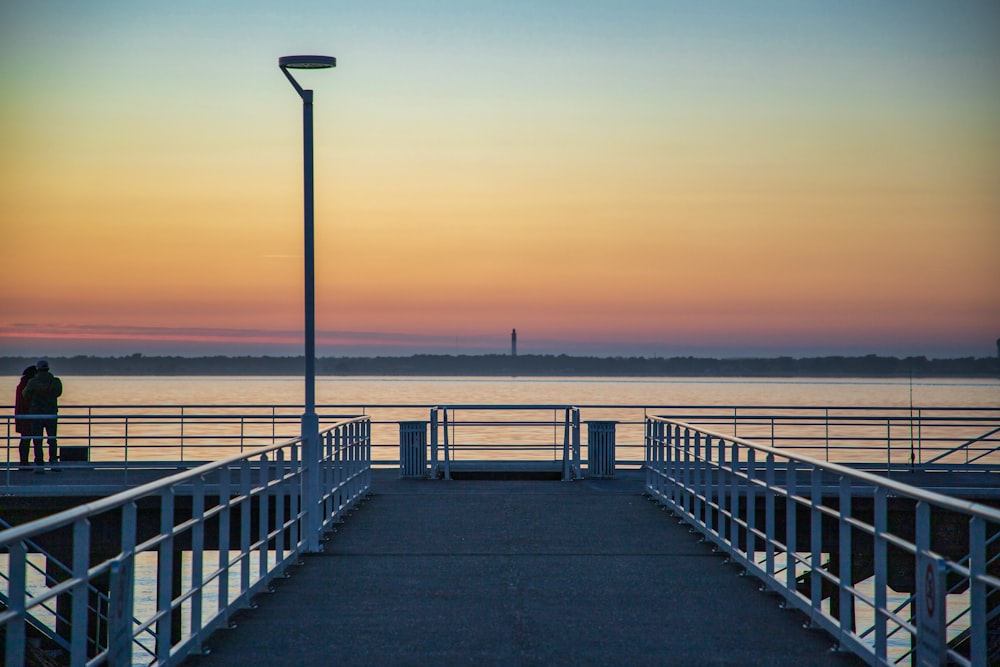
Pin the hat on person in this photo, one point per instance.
(42, 365)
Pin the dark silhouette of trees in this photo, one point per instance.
(522, 365)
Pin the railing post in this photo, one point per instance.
(826, 423)
(565, 453)
(769, 520)
(791, 537)
(720, 491)
(447, 447)
(15, 634)
(78, 615)
(182, 433)
(279, 506)
(881, 526)
(246, 525)
(673, 461)
(734, 497)
(295, 498)
(126, 450)
(225, 516)
(888, 447)
(366, 430)
(263, 510)
(310, 473)
(165, 577)
(120, 614)
(977, 588)
(931, 594)
(845, 601)
(686, 473)
(751, 506)
(920, 436)
(706, 484)
(576, 442)
(434, 441)
(816, 542)
(342, 461)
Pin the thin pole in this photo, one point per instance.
(310, 288)
(310, 420)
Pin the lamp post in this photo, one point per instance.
(310, 420)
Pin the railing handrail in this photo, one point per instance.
(965, 446)
(768, 513)
(916, 493)
(651, 406)
(316, 477)
(70, 515)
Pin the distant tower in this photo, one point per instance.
(513, 342)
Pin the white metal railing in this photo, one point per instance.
(258, 511)
(886, 436)
(788, 520)
(889, 437)
(509, 438)
(98, 603)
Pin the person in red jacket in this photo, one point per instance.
(24, 426)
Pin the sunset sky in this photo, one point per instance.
(613, 178)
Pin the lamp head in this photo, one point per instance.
(304, 62)
(307, 62)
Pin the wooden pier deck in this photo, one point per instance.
(516, 572)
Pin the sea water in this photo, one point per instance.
(427, 391)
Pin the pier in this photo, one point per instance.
(506, 572)
(692, 545)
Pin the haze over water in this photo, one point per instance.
(554, 391)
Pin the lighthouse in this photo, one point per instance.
(513, 342)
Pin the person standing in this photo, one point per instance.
(43, 392)
(21, 424)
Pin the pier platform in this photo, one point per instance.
(516, 572)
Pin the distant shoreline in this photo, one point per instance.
(498, 365)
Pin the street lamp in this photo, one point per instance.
(310, 420)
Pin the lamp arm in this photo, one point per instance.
(295, 84)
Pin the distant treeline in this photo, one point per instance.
(522, 365)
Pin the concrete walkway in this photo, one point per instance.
(516, 573)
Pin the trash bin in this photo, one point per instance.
(413, 449)
(601, 449)
(74, 453)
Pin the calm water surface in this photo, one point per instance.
(425, 391)
(575, 391)
(365, 394)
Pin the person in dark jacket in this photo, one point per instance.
(22, 425)
(43, 392)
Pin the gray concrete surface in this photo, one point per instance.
(516, 573)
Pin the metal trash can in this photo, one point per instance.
(74, 453)
(413, 449)
(601, 449)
